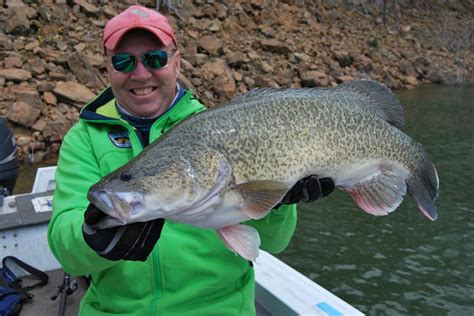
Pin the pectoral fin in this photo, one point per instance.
(259, 197)
(241, 239)
(379, 193)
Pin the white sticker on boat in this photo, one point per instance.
(43, 204)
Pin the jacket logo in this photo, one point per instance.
(120, 139)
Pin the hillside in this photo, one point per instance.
(51, 55)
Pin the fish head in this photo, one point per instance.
(164, 187)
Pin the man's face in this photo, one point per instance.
(143, 92)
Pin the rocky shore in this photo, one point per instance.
(51, 56)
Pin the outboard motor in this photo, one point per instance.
(9, 165)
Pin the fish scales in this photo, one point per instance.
(235, 162)
(288, 131)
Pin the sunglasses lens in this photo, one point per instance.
(123, 62)
(155, 59)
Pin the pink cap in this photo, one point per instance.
(138, 17)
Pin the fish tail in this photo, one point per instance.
(423, 185)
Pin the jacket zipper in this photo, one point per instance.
(157, 284)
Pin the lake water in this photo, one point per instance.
(403, 264)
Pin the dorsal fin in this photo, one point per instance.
(258, 93)
(384, 102)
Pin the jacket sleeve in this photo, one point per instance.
(276, 229)
(77, 170)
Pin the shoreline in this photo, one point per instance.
(52, 56)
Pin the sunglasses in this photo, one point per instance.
(154, 60)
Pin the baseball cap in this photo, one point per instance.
(138, 17)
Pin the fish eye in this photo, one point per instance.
(126, 176)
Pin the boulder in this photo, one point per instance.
(73, 93)
(15, 75)
(23, 113)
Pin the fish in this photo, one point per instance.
(235, 162)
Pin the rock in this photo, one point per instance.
(45, 86)
(216, 67)
(405, 29)
(12, 62)
(18, 20)
(37, 68)
(210, 44)
(268, 31)
(73, 93)
(5, 42)
(273, 45)
(95, 60)
(225, 86)
(302, 57)
(32, 45)
(435, 76)
(109, 11)
(79, 47)
(58, 76)
(50, 98)
(343, 57)
(23, 113)
(215, 26)
(246, 22)
(40, 124)
(28, 95)
(265, 82)
(314, 78)
(266, 67)
(15, 75)
(236, 59)
(87, 8)
(85, 73)
(227, 48)
(55, 130)
(422, 61)
(249, 82)
(408, 69)
(410, 80)
(283, 76)
(342, 79)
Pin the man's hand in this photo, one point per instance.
(307, 190)
(129, 242)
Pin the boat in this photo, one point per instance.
(280, 289)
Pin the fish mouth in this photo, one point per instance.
(120, 207)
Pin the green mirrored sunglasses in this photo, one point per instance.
(154, 59)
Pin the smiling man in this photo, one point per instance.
(189, 271)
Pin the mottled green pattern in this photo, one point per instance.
(285, 135)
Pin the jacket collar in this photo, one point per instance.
(103, 109)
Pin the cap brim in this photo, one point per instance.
(112, 42)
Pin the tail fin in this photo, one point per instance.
(423, 186)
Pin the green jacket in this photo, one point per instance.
(189, 272)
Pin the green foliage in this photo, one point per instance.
(373, 42)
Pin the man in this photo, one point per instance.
(189, 271)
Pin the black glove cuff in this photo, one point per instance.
(327, 186)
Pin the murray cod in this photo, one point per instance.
(235, 162)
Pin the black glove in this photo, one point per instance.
(307, 190)
(129, 242)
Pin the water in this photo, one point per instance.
(26, 178)
(403, 264)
